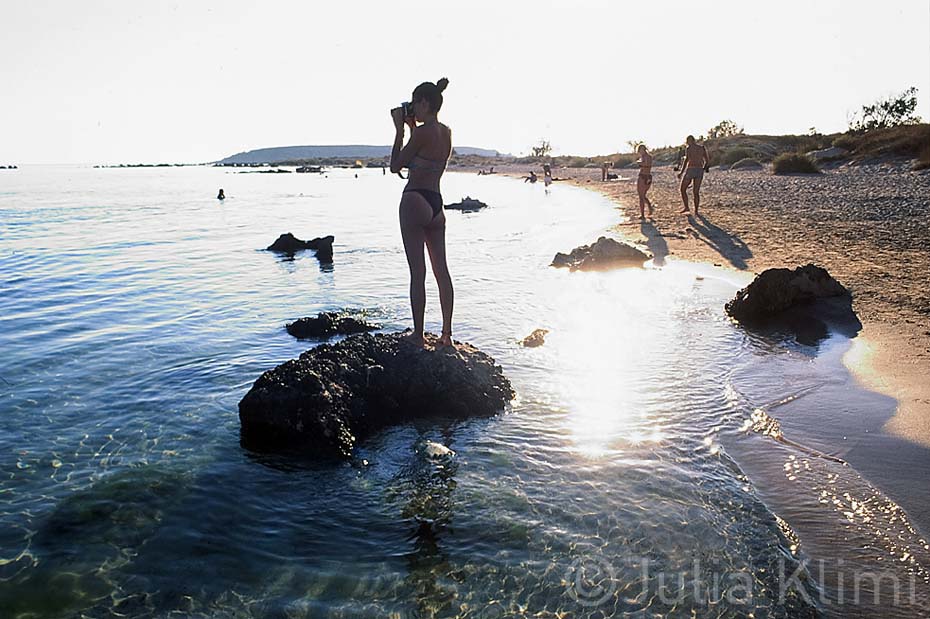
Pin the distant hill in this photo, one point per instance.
(357, 151)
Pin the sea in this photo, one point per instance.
(659, 460)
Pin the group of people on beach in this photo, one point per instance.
(693, 163)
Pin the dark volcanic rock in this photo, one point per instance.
(326, 324)
(333, 396)
(467, 204)
(289, 244)
(604, 253)
(805, 300)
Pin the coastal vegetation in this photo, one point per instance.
(794, 163)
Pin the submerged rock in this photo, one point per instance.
(466, 204)
(326, 324)
(806, 300)
(536, 338)
(333, 396)
(287, 243)
(604, 253)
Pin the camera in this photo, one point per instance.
(408, 109)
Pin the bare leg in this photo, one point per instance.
(683, 188)
(641, 190)
(414, 214)
(436, 244)
(697, 194)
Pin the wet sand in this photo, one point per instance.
(869, 225)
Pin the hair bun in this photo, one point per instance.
(442, 83)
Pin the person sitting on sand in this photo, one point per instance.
(221, 195)
(644, 180)
(695, 164)
(422, 219)
(531, 178)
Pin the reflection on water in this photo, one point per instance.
(637, 472)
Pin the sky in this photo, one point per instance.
(105, 82)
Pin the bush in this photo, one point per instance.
(901, 141)
(888, 112)
(846, 141)
(794, 163)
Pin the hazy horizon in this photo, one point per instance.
(107, 83)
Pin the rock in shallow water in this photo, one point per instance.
(536, 338)
(332, 396)
(775, 290)
(287, 243)
(326, 324)
(806, 300)
(466, 204)
(604, 253)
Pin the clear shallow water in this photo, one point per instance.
(640, 470)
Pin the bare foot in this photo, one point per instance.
(446, 340)
(685, 210)
(651, 210)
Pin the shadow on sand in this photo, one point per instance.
(730, 246)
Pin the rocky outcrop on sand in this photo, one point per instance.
(746, 164)
(826, 154)
(333, 396)
(604, 253)
(466, 204)
(289, 244)
(327, 324)
(806, 299)
(536, 338)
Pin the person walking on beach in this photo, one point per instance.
(692, 170)
(422, 218)
(547, 175)
(644, 180)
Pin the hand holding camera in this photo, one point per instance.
(403, 114)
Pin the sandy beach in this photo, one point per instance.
(869, 225)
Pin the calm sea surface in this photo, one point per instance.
(659, 460)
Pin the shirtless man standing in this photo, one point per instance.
(696, 162)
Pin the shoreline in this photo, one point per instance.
(891, 355)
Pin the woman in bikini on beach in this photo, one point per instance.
(422, 218)
(644, 180)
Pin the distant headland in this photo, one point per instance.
(286, 154)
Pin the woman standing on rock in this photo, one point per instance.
(422, 218)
